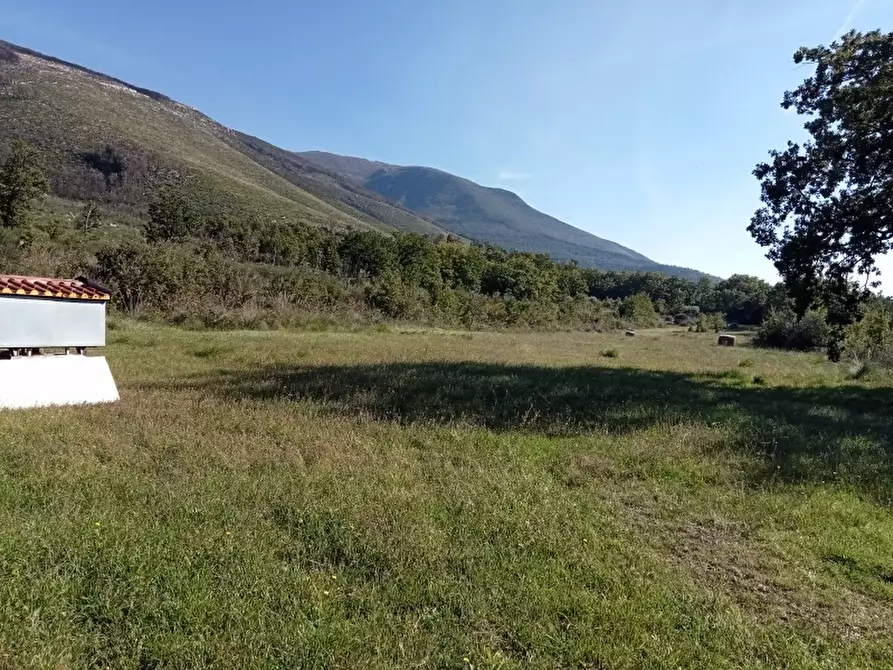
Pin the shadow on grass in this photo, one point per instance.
(840, 434)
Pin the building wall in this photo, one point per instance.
(42, 322)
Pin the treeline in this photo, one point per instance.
(230, 268)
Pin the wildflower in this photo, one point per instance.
(325, 593)
(465, 658)
(96, 524)
(334, 576)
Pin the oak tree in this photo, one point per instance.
(828, 201)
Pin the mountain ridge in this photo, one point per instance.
(488, 214)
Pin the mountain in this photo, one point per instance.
(105, 139)
(487, 214)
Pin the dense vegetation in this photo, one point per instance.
(242, 270)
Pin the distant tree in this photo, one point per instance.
(638, 309)
(171, 218)
(524, 276)
(282, 243)
(108, 162)
(22, 182)
(367, 254)
(461, 265)
(389, 295)
(89, 217)
(828, 203)
(571, 281)
(234, 235)
(742, 299)
(419, 261)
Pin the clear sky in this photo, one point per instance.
(639, 121)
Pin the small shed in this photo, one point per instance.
(47, 327)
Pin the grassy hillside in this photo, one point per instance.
(104, 139)
(487, 214)
(332, 187)
(449, 500)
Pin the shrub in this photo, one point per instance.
(810, 332)
(639, 310)
(610, 353)
(391, 296)
(869, 341)
(171, 217)
(714, 322)
(781, 330)
(137, 274)
(773, 333)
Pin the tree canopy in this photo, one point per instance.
(826, 212)
(22, 181)
(171, 218)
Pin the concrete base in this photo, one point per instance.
(38, 381)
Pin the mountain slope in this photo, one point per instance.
(332, 187)
(105, 139)
(487, 214)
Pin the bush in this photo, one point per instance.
(869, 341)
(781, 330)
(639, 310)
(711, 323)
(773, 334)
(391, 296)
(810, 332)
(138, 275)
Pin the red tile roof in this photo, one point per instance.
(49, 288)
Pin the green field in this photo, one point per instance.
(450, 500)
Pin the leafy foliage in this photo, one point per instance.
(639, 310)
(870, 339)
(711, 323)
(783, 330)
(828, 202)
(171, 218)
(22, 181)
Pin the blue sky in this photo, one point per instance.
(638, 121)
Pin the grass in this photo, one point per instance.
(416, 499)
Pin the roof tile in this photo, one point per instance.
(45, 287)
